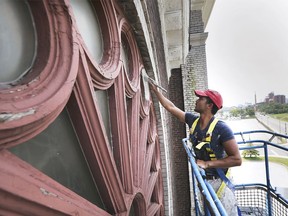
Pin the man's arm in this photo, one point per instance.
(233, 157)
(168, 105)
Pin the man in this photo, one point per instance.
(222, 141)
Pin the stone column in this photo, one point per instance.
(195, 68)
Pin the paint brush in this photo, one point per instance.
(150, 80)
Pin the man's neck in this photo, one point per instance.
(204, 120)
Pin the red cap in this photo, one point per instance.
(213, 95)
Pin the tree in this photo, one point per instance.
(250, 111)
(273, 108)
(250, 152)
(242, 112)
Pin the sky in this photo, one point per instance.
(247, 50)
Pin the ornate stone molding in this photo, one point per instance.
(198, 39)
(31, 104)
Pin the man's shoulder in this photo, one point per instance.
(190, 118)
(224, 130)
(222, 124)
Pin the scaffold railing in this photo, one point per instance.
(253, 198)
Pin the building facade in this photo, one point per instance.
(281, 99)
(80, 132)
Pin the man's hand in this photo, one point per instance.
(153, 87)
(202, 164)
(167, 104)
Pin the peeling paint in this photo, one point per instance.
(4, 117)
(47, 193)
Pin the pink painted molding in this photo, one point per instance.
(29, 107)
(64, 74)
(104, 73)
(90, 129)
(32, 193)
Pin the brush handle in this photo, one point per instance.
(150, 80)
(154, 83)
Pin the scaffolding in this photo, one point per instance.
(253, 198)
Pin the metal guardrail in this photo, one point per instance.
(253, 199)
(214, 206)
(268, 201)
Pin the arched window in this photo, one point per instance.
(57, 153)
(89, 27)
(102, 101)
(78, 132)
(18, 41)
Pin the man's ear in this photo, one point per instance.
(210, 105)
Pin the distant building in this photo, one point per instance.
(275, 98)
(270, 97)
(280, 99)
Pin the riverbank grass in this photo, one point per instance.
(281, 116)
(280, 160)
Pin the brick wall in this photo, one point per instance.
(157, 42)
(178, 156)
(196, 22)
(192, 75)
(194, 71)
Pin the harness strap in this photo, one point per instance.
(228, 183)
(200, 145)
(220, 172)
(194, 126)
(210, 130)
(208, 134)
(225, 179)
(223, 184)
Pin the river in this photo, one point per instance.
(254, 172)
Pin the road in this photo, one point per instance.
(274, 124)
(254, 172)
(252, 124)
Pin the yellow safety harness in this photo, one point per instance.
(205, 140)
(212, 156)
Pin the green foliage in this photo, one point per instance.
(254, 159)
(272, 108)
(280, 160)
(281, 116)
(250, 111)
(243, 112)
(250, 152)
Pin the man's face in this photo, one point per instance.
(201, 105)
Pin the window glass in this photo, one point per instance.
(89, 27)
(145, 86)
(132, 211)
(57, 153)
(128, 109)
(126, 57)
(102, 100)
(17, 40)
